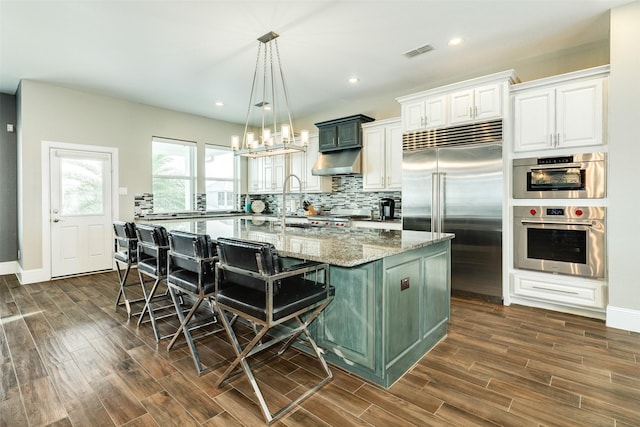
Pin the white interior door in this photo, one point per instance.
(81, 223)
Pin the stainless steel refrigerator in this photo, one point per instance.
(458, 189)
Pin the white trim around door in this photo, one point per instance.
(47, 147)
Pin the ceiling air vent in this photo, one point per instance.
(418, 51)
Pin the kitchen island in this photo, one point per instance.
(392, 289)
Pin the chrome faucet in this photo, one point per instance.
(284, 195)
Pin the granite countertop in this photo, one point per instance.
(335, 246)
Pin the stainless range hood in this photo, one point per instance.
(341, 162)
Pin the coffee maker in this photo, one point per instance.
(387, 208)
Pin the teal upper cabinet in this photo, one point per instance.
(341, 133)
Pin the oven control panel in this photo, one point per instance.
(559, 212)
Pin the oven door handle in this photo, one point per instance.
(564, 166)
(585, 223)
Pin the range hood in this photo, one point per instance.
(341, 162)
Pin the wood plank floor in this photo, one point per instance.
(68, 359)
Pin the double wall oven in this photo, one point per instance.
(560, 239)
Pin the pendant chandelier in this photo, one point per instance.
(269, 103)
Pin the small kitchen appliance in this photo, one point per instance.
(387, 209)
(577, 176)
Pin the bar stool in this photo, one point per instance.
(126, 256)
(191, 281)
(251, 284)
(153, 245)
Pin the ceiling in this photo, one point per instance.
(186, 55)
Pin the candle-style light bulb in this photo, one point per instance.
(235, 142)
(284, 132)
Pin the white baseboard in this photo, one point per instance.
(32, 276)
(623, 318)
(10, 267)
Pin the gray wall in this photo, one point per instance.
(8, 177)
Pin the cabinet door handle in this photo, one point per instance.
(388, 181)
(470, 113)
(550, 140)
(558, 139)
(426, 120)
(338, 140)
(475, 111)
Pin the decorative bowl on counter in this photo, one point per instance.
(257, 206)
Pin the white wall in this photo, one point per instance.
(382, 105)
(624, 152)
(56, 114)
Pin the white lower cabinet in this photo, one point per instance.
(574, 292)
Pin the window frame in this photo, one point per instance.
(190, 179)
(231, 201)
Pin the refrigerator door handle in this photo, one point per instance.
(441, 190)
(435, 209)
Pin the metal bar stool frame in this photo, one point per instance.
(153, 248)
(126, 253)
(286, 334)
(204, 261)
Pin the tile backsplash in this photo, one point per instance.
(347, 194)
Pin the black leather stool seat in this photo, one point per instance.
(125, 256)
(188, 280)
(295, 293)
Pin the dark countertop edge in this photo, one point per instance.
(195, 216)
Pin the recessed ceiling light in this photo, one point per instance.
(353, 80)
(456, 41)
(219, 104)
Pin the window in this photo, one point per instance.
(174, 175)
(218, 167)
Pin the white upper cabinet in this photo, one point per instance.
(424, 113)
(301, 165)
(568, 111)
(579, 114)
(480, 103)
(382, 156)
(468, 101)
(266, 174)
(255, 178)
(534, 120)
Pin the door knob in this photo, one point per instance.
(57, 220)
